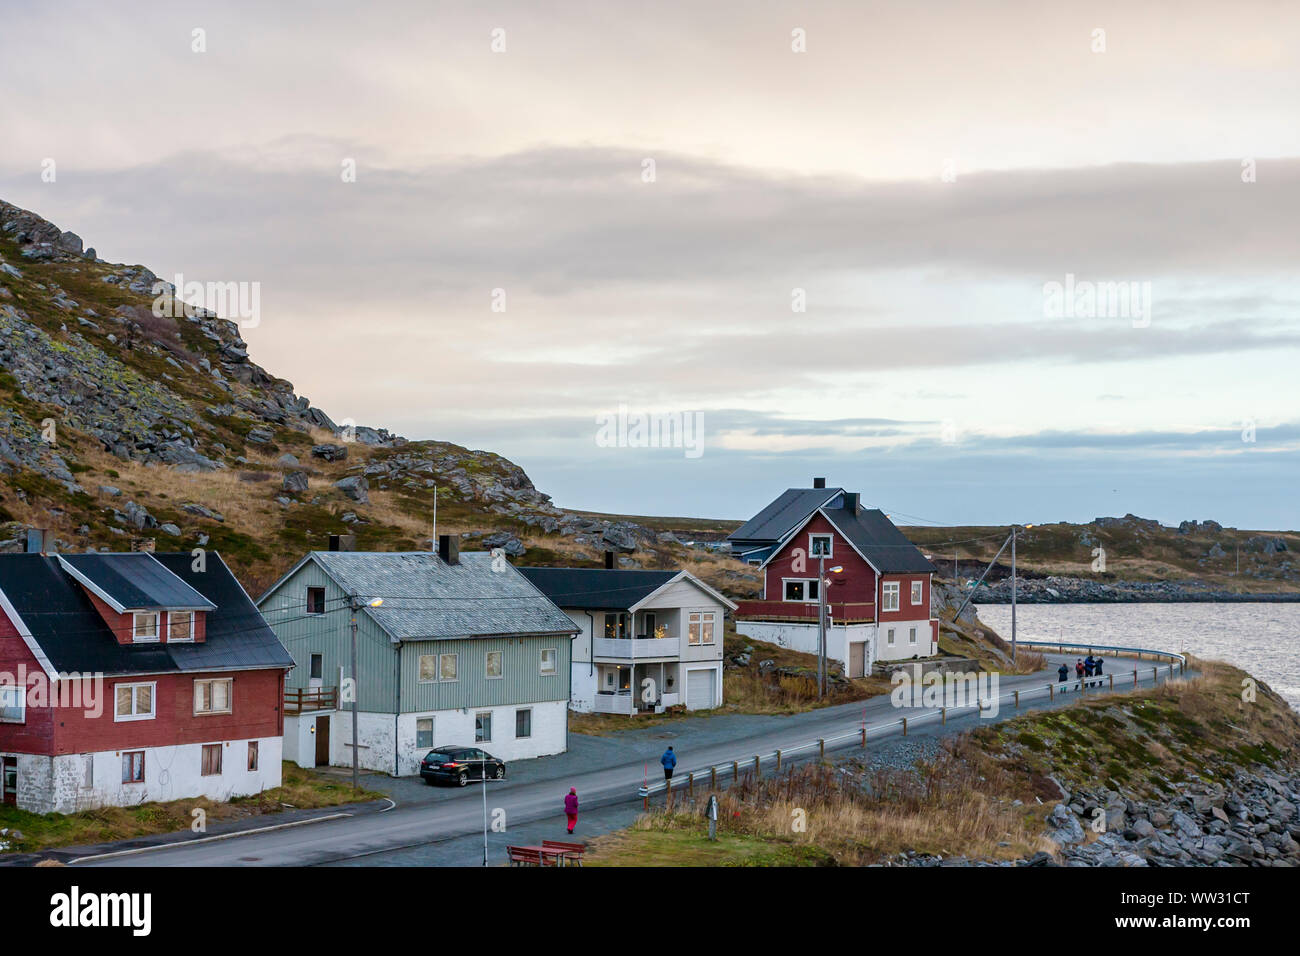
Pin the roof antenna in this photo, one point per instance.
(433, 540)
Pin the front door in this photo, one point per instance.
(11, 781)
(856, 658)
(322, 741)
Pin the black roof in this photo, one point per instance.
(135, 581)
(73, 637)
(784, 514)
(603, 588)
(878, 540)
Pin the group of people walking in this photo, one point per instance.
(668, 760)
(1084, 668)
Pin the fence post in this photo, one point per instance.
(821, 747)
(904, 726)
(758, 768)
(713, 778)
(1155, 675)
(864, 738)
(778, 761)
(668, 793)
(735, 770)
(1135, 677)
(1051, 692)
(943, 715)
(690, 784)
(1017, 699)
(1112, 681)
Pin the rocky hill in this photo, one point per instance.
(129, 416)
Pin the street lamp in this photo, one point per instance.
(356, 686)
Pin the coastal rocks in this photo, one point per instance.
(1065, 828)
(330, 452)
(508, 543)
(355, 487)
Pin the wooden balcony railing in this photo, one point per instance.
(300, 699)
(841, 612)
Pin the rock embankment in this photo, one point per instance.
(1055, 589)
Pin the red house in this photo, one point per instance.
(127, 678)
(877, 582)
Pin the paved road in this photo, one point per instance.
(433, 826)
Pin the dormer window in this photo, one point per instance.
(819, 545)
(180, 627)
(144, 629)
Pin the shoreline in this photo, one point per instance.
(1058, 590)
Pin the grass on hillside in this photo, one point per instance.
(301, 790)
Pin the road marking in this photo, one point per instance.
(208, 839)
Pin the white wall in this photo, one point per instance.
(685, 679)
(58, 784)
(803, 637)
(902, 649)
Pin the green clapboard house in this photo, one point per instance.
(451, 650)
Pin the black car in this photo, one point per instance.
(460, 765)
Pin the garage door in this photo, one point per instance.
(699, 689)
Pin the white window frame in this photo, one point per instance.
(127, 755)
(209, 681)
(529, 712)
(437, 677)
(805, 582)
(153, 701)
(309, 611)
(477, 716)
(221, 760)
(694, 627)
(918, 592)
(830, 546)
(555, 662)
(889, 590)
(194, 620)
(17, 694)
(889, 636)
(487, 669)
(135, 627)
(432, 726)
(253, 758)
(911, 635)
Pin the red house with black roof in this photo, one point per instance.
(127, 678)
(877, 582)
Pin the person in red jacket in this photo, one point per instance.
(571, 807)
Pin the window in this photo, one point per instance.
(252, 755)
(756, 562)
(524, 722)
(318, 666)
(436, 667)
(648, 624)
(13, 704)
(616, 625)
(211, 760)
(889, 600)
(801, 590)
(699, 628)
(180, 626)
(483, 728)
(918, 591)
(134, 702)
(424, 732)
(492, 669)
(911, 635)
(133, 766)
(315, 600)
(549, 659)
(889, 637)
(212, 696)
(819, 545)
(144, 628)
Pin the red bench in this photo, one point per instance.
(572, 851)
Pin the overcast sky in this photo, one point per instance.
(843, 263)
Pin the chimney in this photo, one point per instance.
(35, 543)
(449, 548)
(819, 482)
(852, 502)
(609, 561)
(343, 542)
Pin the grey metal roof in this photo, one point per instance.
(788, 511)
(426, 598)
(600, 588)
(134, 581)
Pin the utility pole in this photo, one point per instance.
(484, 779)
(821, 626)
(356, 689)
(1013, 594)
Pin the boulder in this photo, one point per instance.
(354, 487)
(295, 481)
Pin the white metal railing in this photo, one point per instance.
(1177, 664)
(637, 648)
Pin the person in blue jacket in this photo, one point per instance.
(669, 760)
(1063, 674)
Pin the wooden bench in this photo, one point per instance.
(572, 851)
(521, 856)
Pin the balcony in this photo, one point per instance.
(623, 703)
(301, 699)
(637, 649)
(799, 612)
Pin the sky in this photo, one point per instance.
(983, 262)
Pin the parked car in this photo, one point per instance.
(460, 765)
